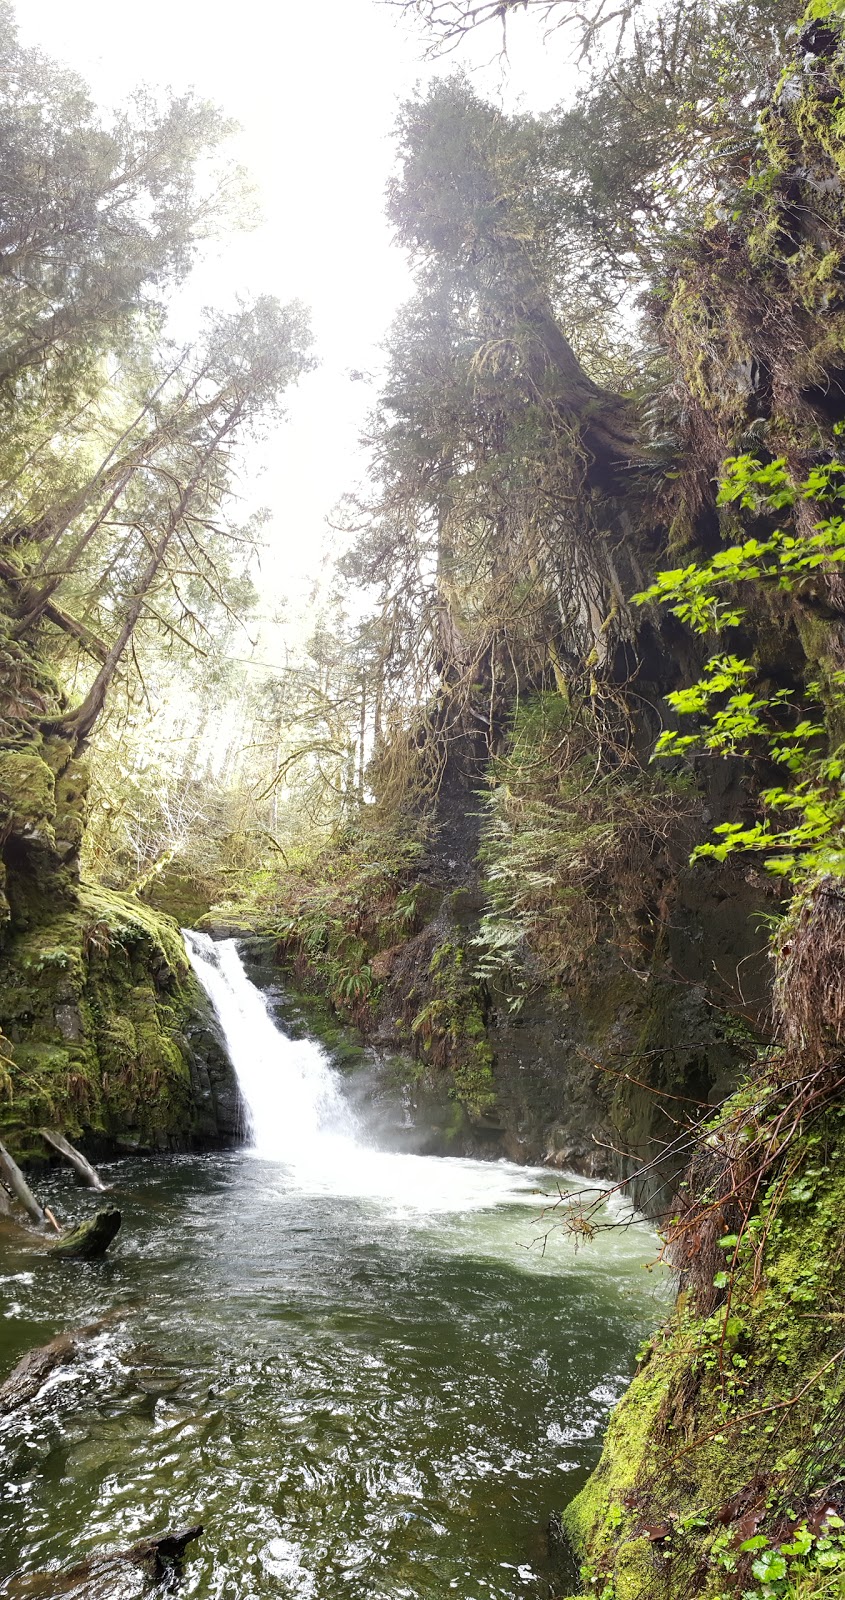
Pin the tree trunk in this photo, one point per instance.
(70, 625)
(11, 1175)
(32, 1371)
(362, 734)
(85, 1173)
(80, 722)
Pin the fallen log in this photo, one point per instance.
(90, 1239)
(103, 1577)
(32, 1371)
(13, 1178)
(85, 1173)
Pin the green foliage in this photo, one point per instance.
(804, 814)
(450, 1027)
(702, 594)
(786, 1569)
(638, 154)
(102, 215)
(341, 909)
(93, 1007)
(570, 851)
(117, 449)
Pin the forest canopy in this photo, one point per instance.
(531, 412)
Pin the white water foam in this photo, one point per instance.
(291, 1093)
(297, 1114)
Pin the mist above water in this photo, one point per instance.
(298, 1118)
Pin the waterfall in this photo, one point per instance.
(295, 1109)
(298, 1115)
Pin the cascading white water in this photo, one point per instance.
(292, 1095)
(298, 1115)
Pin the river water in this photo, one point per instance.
(371, 1375)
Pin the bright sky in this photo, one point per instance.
(315, 86)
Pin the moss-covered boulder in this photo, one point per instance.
(111, 1036)
(27, 794)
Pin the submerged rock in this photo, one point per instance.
(119, 1575)
(32, 1371)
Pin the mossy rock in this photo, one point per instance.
(735, 1412)
(100, 1006)
(71, 808)
(91, 1239)
(27, 794)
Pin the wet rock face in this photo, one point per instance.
(590, 1077)
(581, 1082)
(68, 1022)
(219, 1113)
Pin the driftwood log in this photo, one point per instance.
(13, 1178)
(85, 1242)
(90, 1239)
(32, 1371)
(127, 1573)
(83, 1169)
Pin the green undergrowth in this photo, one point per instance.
(736, 708)
(580, 846)
(362, 925)
(448, 1027)
(339, 912)
(753, 305)
(95, 987)
(722, 1472)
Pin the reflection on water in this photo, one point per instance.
(359, 1370)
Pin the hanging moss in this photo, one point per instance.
(753, 307)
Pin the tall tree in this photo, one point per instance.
(149, 518)
(499, 458)
(98, 215)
